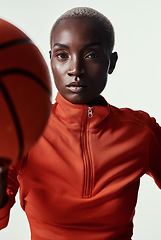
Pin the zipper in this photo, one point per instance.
(87, 158)
(90, 112)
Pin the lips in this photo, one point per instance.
(76, 87)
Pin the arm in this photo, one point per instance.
(154, 149)
(3, 186)
(8, 189)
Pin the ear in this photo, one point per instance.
(50, 54)
(113, 60)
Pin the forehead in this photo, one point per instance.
(78, 30)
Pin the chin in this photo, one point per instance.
(77, 99)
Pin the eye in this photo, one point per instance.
(61, 55)
(92, 55)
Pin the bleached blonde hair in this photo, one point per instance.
(93, 15)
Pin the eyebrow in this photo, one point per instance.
(61, 45)
(92, 44)
(85, 46)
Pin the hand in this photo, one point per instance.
(5, 162)
(3, 182)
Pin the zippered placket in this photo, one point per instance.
(88, 168)
(90, 112)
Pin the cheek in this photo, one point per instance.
(58, 69)
(98, 77)
(97, 71)
(56, 74)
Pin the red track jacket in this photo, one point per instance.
(80, 181)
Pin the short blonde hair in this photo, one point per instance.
(93, 15)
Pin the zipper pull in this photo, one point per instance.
(90, 113)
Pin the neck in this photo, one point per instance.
(97, 101)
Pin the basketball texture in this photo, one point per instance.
(25, 93)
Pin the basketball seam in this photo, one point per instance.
(15, 119)
(28, 74)
(14, 42)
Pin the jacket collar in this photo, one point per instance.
(77, 114)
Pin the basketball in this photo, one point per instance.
(25, 93)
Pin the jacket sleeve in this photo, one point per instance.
(12, 188)
(154, 169)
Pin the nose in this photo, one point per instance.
(76, 67)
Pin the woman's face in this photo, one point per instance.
(79, 60)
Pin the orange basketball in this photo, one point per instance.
(25, 93)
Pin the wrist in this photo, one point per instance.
(3, 186)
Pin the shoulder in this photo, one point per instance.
(52, 113)
(134, 117)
